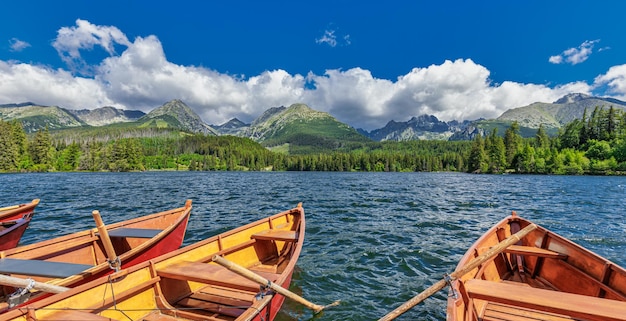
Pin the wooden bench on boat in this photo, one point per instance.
(212, 274)
(276, 235)
(41, 268)
(565, 304)
(534, 251)
(134, 232)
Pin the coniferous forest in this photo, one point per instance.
(595, 144)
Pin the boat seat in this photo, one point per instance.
(212, 274)
(41, 268)
(134, 232)
(276, 235)
(573, 305)
(534, 251)
(503, 312)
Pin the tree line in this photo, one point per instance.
(595, 144)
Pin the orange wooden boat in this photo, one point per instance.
(541, 277)
(187, 284)
(14, 212)
(76, 258)
(11, 231)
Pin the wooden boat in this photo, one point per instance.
(187, 284)
(80, 257)
(14, 212)
(541, 277)
(11, 231)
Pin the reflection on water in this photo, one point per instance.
(373, 240)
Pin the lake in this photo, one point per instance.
(373, 240)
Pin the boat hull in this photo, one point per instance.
(12, 232)
(542, 275)
(12, 213)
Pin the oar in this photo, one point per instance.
(263, 281)
(106, 241)
(24, 283)
(456, 274)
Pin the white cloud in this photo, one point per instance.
(142, 78)
(615, 80)
(332, 39)
(328, 38)
(24, 82)
(575, 56)
(453, 90)
(71, 40)
(18, 45)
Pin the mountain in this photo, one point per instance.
(233, 127)
(176, 114)
(35, 117)
(297, 126)
(559, 113)
(424, 127)
(106, 115)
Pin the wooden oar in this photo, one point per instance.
(23, 283)
(263, 281)
(458, 273)
(106, 241)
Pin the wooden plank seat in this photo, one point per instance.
(503, 312)
(276, 235)
(567, 304)
(534, 251)
(212, 274)
(134, 232)
(41, 268)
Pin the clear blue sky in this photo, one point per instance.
(365, 62)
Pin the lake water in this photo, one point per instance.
(373, 240)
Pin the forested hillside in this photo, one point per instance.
(594, 145)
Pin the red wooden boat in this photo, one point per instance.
(187, 284)
(541, 277)
(77, 258)
(11, 231)
(14, 212)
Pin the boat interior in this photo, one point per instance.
(542, 277)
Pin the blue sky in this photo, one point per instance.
(364, 62)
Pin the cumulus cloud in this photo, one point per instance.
(140, 77)
(18, 45)
(84, 36)
(575, 56)
(615, 80)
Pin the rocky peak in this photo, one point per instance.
(572, 98)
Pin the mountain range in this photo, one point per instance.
(302, 125)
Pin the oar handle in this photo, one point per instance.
(263, 281)
(493, 251)
(106, 240)
(23, 283)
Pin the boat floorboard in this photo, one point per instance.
(215, 299)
